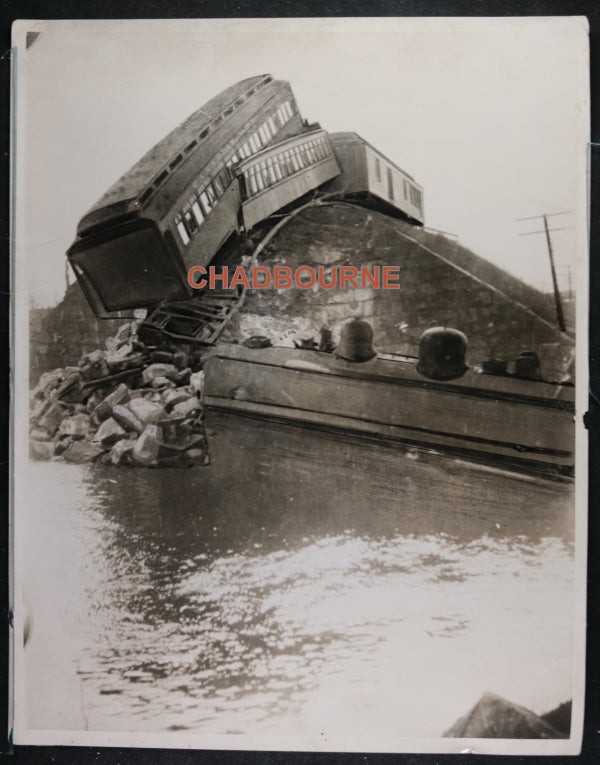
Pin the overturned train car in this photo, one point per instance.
(244, 155)
(177, 206)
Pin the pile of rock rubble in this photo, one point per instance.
(127, 404)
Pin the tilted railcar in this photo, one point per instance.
(283, 173)
(371, 178)
(176, 207)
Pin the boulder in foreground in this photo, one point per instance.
(495, 717)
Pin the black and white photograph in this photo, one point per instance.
(300, 367)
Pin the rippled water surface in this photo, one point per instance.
(299, 585)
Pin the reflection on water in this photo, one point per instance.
(301, 583)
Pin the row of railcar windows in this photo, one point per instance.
(201, 204)
(274, 169)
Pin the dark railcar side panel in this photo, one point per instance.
(215, 230)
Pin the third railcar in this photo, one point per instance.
(370, 177)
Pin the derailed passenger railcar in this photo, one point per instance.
(283, 173)
(371, 178)
(177, 206)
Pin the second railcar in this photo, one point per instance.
(178, 205)
(370, 176)
(283, 173)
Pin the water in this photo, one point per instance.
(299, 585)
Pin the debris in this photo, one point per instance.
(76, 426)
(187, 407)
(52, 418)
(145, 450)
(81, 451)
(146, 411)
(257, 341)
(158, 370)
(121, 451)
(125, 405)
(41, 450)
(109, 432)
(126, 418)
(119, 396)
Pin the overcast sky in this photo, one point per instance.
(490, 116)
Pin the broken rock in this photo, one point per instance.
(119, 396)
(121, 451)
(162, 382)
(80, 452)
(50, 380)
(197, 381)
(146, 411)
(146, 448)
(41, 450)
(52, 418)
(172, 397)
(109, 432)
(183, 408)
(76, 426)
(127, 419)
(158, 370)
(39, 435)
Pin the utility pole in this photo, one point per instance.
(560, 317)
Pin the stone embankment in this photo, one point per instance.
(126, 404)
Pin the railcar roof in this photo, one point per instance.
(352, 137)
(131, 183)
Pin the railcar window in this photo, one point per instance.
(190, 222)
(217, 187)
(224, 177)
(251, 181)
(203, 134)
(206, 206)
(390, 183)
(271, 171)
(277, 168)
(160, 178)
(259, 180)
(240, 101)
(416, 197)
(146, 195)
(176, 161)
(229, 111)
(197, 213)
(210, 192)
(378, 170)
(190, 146)
(182, 232)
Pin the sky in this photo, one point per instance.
(490, 116)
